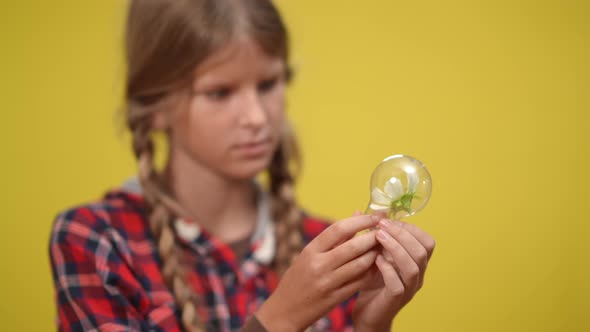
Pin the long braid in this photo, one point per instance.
(288, 217)
(162, 209)
(165, 42)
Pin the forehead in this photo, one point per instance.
(238, 58)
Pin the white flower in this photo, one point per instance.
(384, 201)
(381, 201)
(412, 179)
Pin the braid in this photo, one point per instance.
(289, 231)
(161, 70)
(162, 208)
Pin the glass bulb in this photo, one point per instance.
(400, 187)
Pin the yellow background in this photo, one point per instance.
(493, 96)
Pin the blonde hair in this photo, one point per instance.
(165, 41)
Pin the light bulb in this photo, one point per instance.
(400, 187)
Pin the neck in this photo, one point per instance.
(224, 207)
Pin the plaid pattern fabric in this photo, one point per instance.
(106, 273)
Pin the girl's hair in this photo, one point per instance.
(165, 41)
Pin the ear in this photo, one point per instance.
(160, 121)
(167, 111)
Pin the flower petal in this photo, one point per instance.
(378, 207)
(379, 197)
(412, 179)
(394, 189)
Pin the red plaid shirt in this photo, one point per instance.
(106, 272)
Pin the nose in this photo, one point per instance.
(253, 113)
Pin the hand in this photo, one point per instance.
(401, 263)
(329, 270)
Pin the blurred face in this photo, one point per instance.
(233, 121)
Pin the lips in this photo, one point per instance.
(254, 149)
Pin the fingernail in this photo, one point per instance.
(384, 223)
(382, 234)
(375, 218)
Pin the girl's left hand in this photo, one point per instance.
(401, 266)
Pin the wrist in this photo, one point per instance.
(274, 318)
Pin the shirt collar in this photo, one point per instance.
(263, 239)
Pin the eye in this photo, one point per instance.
(219, 93)
(267, 85)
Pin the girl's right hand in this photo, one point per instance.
(329, 270)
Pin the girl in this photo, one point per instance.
(200, 245)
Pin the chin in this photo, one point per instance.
(249, 168)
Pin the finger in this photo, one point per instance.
(412, 246)
(393, 283)
(381, 215)
(355, 214)
(353, 269)
(341, 231)
(372, 278)
(336, 295)
(351, 249)
(417, 254)
(348, 290)
(408, 270)
(427, 241)
(407, 240)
